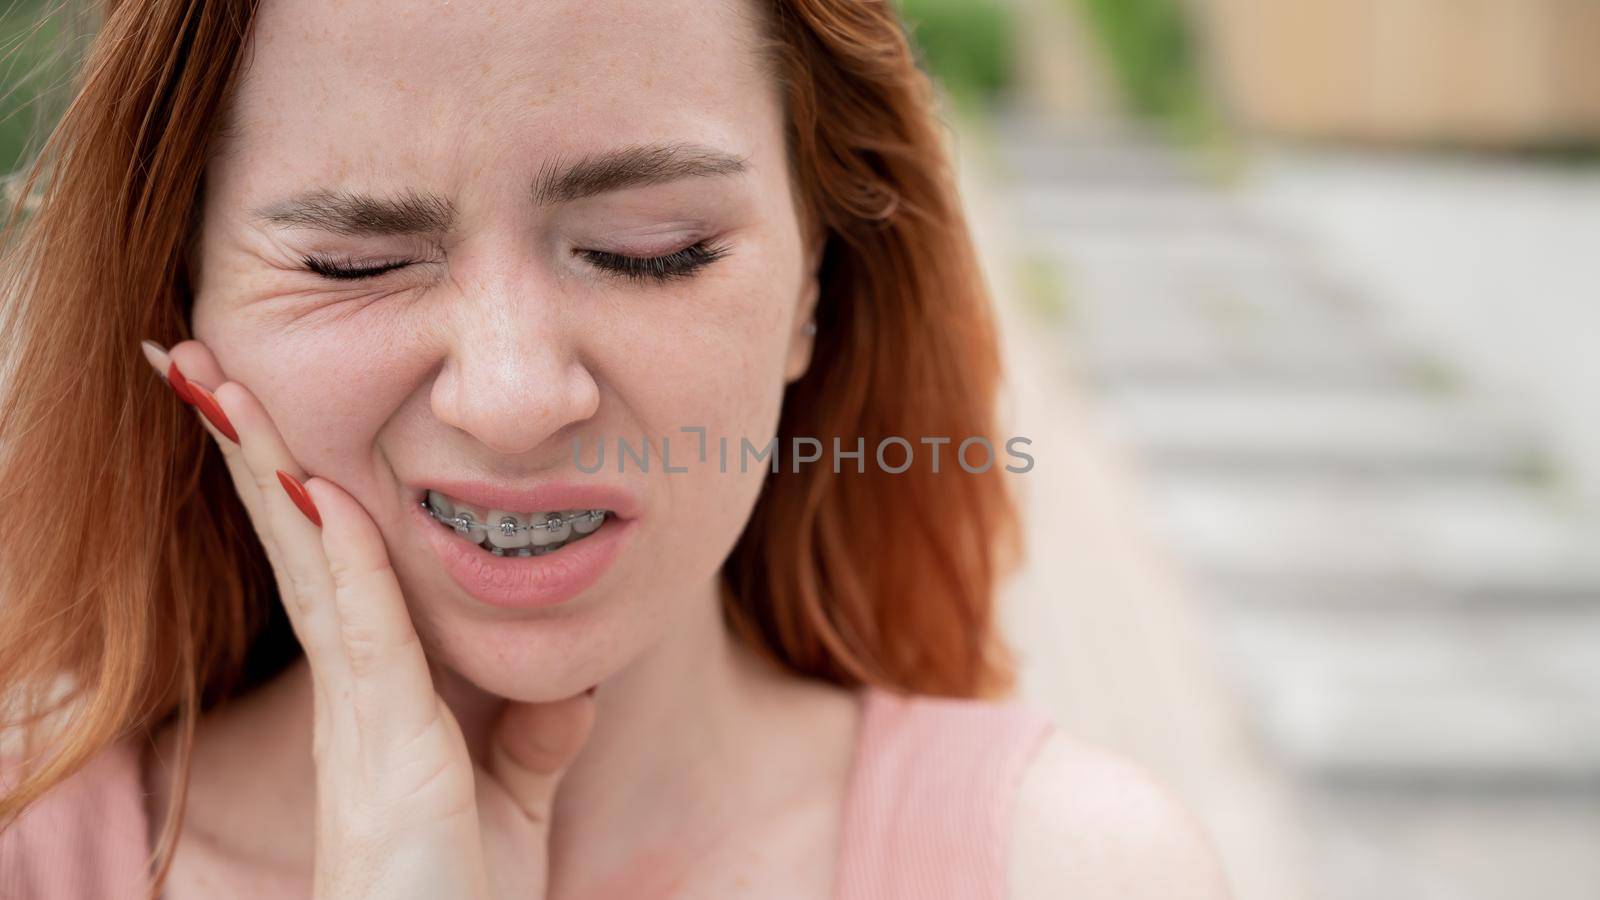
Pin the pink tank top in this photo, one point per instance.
(927, 811)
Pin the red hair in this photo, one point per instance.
(880, 578)
(874, 578)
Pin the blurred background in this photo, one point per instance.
(1301, 309)
(1299, 302)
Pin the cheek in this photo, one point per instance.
(711, 357)
(328, 388)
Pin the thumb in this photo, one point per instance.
(531, 745)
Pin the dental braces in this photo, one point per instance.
(463, 522)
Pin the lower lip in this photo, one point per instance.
(525, 582)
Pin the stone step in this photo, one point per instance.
(1486, 540)
(1291, 286)
(1240, 300)
(1272, 428)
(1383, 842)
(1111, 347)
(1126, 138)
(1506, 698)
(1233, 251)
(1129, 317)
(1039, 160)
(1389, 843)
(1033, 153)
(1160, 209)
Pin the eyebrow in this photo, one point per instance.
(413, 212)
(348, 213)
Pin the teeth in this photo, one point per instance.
(562, 531)
(541, 536)
(472, 528)
(441, 504)
(497, 534)
(506, 533)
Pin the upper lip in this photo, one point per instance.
(547, 496)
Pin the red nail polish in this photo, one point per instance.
(206, 402)
(297, 492)
(180, 385)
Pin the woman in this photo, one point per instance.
(376, 623)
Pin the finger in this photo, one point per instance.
(391, 688)
(347, 605)
(193, 372)
(157, 356)
(264, 454)
(515, 850)
(197, 362)
(171, 373)
(531, 746)
(255, 453)
(201, 375)
(167, 367)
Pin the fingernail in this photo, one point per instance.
(153, 352)
(180, 384)
(302, 499)
(207, 404)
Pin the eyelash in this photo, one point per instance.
(344, 271)
(657, 269)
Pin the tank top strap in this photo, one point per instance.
(929, 804)
(85, 837)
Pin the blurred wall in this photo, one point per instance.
(1474, 72)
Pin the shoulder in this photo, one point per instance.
(81, 838)
(957, 746)
(1088, 818)
(928, 810)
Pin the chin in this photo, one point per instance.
(543, 658)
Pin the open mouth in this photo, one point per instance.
(506, 533)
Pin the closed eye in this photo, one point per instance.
(658, 269)
(342, 270)
(655, 269)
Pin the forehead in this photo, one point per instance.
(403, 84)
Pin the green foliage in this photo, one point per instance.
(1044, 289)
(964, 44)
(35, 53)
(1150, 45)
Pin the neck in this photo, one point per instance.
(688, 746)
(667, 727)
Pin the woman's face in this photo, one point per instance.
(434, 144)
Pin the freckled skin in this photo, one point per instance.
(498, 345)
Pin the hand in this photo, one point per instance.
(402, 810)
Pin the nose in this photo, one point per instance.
(514, 378)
